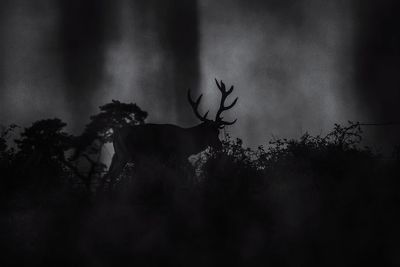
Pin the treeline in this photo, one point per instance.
(46, 155)
(312, 201)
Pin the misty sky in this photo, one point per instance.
(296, 65)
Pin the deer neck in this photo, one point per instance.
(197, 136)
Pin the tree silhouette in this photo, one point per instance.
(45, 137)
(100, 128)
(7, 155)
(5, 133)
(292, 193)
(41, 151)
(98, 132)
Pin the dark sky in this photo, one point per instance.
(84, 29)
(296, 65)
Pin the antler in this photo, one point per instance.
(225, 93)
(219, 122)
(195, 106)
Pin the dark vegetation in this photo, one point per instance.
(315, 201)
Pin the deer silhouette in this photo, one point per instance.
(166, 142)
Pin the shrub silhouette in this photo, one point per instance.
(315, 201)
(40, 152)
(7, 157)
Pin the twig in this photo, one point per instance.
(379, 124)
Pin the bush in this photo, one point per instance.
(315, 201)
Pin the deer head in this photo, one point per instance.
(209, 129)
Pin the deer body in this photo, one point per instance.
(163, 141)
(168, 143)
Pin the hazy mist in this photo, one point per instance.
(296, 65)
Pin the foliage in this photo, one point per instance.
(289, 203)
(342, 141)
(45, 138)
(5, 133)
(43, 148)
(99, 131)
(7, 154)
(111, 116)
(38, 160)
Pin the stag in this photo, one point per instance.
(169, 143)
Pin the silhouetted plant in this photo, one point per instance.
(7, 156)
(5, 132)
(99, 131)
(44, 143)
(345, 137)
(46, 139)
(289, 203)
(112, 116)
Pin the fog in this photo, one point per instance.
(296, 65)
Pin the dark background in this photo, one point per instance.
(297, 65)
